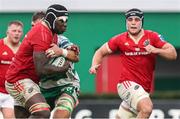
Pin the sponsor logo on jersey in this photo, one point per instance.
(4, 53)
(5, 62)
(136, 53)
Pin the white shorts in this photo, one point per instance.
(6, 101)
(131, 93)
(22, 90)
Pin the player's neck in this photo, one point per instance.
(13, 46)
(137, 37)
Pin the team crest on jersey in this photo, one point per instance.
(161, 37)
(146, 42)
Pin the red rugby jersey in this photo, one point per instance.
(6, 56)
(137, 64)
(38, 38)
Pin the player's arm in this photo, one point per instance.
(98, 56)
(71, 54)
(43, 68)
(167, 51)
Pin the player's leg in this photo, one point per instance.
(124, 112)
(8, 113)
(144, 108)
(7, 106)
(136, 97)
(64, 107)
(27, 95)
(66, 103)
(21, 112)
(38, 107)
(141, 102)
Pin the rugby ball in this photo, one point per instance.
(58, 61)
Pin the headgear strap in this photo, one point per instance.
(134, 12)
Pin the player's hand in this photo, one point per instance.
(74, 48)
(151, 49)
(93, 69)
(53, 51)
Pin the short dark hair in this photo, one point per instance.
(38, 15)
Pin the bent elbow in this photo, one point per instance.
(173, 57)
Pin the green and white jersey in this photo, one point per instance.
(70, 77)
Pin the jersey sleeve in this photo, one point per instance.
(113, 43)
(158, 40)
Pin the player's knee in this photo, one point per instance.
(147, 109)
(124, 114)
(145, 106)
(65, 103)
(40, 110)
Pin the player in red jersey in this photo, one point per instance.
(8, 47)
(54, 50)
(61, 94)
(31, 63)
(138, 50)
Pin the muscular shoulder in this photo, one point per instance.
(151, 33)
(40, 31)
(117, 41)
(120, 36)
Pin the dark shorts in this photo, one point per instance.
(52, 94)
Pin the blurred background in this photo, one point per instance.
(93, 22)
